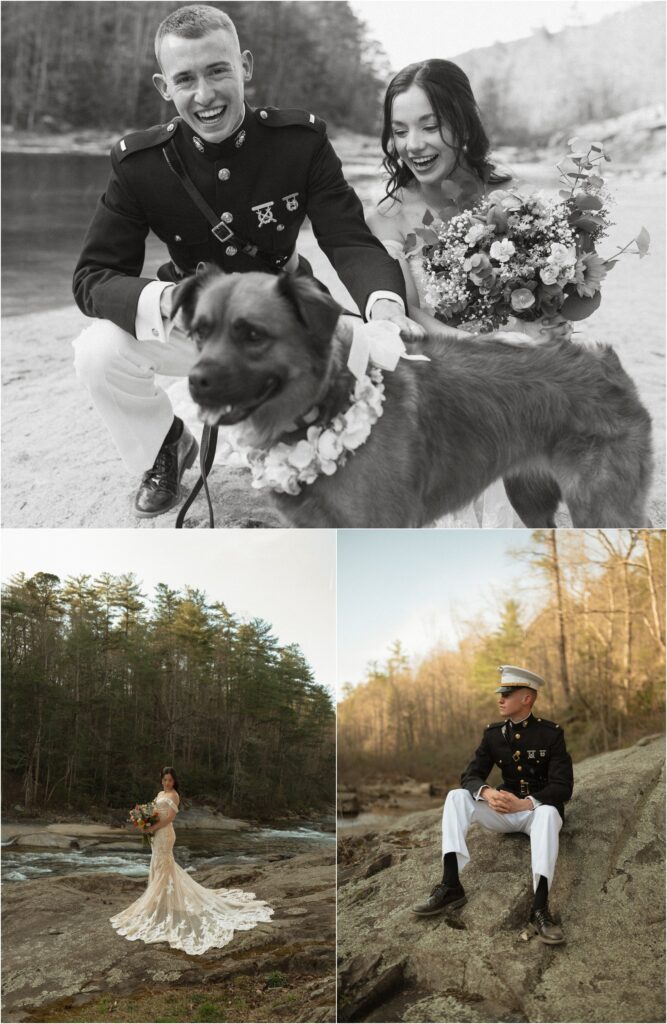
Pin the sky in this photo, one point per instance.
(286, 577)
(420, 586)
(410, 31)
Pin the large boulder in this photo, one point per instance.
(480, 963)
(59, 948)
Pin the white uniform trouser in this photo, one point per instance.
(542, 825)
(119, 372)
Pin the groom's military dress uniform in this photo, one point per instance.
(535, 764)
(275, 170)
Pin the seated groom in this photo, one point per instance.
(537, 782)
(251, 177)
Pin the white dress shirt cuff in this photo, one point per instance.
(534, 802)
(149, 324)
(374, 296)
(478, 794)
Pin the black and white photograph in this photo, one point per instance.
(501, 758)
(350, 264)
(168, 768)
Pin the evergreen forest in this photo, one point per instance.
(102, 686)
(89, 64)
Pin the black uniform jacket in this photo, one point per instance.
(532, 758)
(278, 168)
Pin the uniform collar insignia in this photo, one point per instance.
(215, 151)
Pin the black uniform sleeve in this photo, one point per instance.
(560, 778)
(359, 259)
(478, 770)
(106, 279)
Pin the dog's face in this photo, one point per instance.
(264, 344)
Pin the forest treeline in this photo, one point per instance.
(595, 632)
(102, 686)
(89, 64)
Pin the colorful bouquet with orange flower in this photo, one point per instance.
(142, 816)
(522, 256)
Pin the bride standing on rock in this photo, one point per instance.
(176, 909)
(434, 146)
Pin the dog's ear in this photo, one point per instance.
(316, 309)
(184, 295)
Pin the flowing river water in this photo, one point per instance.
(194, 849)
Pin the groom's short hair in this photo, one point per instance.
(193, 22)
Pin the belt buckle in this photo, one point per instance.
(222, 226)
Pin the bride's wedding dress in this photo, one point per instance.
(176, 909)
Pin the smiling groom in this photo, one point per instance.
(220, 183)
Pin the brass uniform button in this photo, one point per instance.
(231, 250)
(224, 174)
(517, 736)
(263, 114)
(227, 218)
(170, 127)
(177, 238)
(518, 767)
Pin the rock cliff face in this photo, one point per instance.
(547, 82)
(58, 945)
(477, 963)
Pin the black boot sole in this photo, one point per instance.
(448, 906)
(188, 461)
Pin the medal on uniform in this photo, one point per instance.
(290, 202)
(264, 213)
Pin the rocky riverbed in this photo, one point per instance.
(60, 953)
(479, 963)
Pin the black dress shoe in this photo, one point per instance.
(545, 928)
(160, 485)
(442, 896)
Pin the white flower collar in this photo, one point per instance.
(285, 467)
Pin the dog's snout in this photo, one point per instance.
(206, 378)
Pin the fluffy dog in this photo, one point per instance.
(554, 421)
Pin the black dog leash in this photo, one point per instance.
(209, 441)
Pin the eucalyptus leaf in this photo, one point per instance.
(429, 237)
(428, 218)
(643, 241)
(578, 307)
(586, 201)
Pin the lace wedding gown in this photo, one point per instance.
(491, 510)
(176, 909)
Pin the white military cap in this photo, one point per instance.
(511, 677)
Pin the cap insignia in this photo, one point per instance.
(240, 139)
(198, 144)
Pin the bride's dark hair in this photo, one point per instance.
(168, 770)
(452, 99)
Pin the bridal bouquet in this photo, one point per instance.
(142, 816)
(523, 256)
